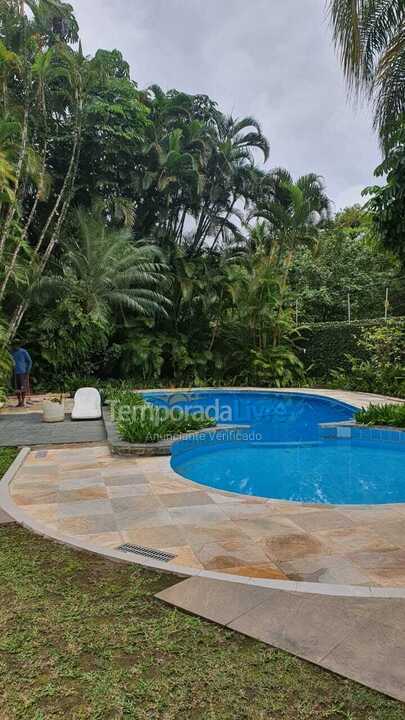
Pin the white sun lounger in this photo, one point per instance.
(87, 404)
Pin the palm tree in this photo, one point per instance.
(291, 210)
(103, 270)
(370, 36)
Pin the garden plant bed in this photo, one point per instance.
(119, 446)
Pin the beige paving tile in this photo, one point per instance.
(387, 577)
(230, 554)
(92, 492)
(325, 569)
(161, 537)
(40, 498)
(267, 571)
(289, 547)
(392, 531)
(76, 483)
(131, 520)
(205, 514)
(243, 511)
(137, 503)
(261, 526)
(46, 513)
(123, 479)
(21, 486)
(121, 491)
(110, 540)
(87, 525)
(184, 556)
(308, 626)
(344, 541)
(373, 654)
(163, 487)
(379, 559)
(321, 520)
(89, 508)
(218, 601)
(35, 471)
(185, 499)
(201, 534)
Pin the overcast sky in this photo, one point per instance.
(272, 59)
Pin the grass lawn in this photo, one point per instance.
(82, 638)
(7, 455)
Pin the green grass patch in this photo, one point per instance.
(82, 638)
(392, 415)
(7, 456)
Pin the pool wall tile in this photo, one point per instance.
(361, 433)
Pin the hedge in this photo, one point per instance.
(323, 347)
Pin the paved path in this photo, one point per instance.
(361, 639)
(28, 429)
(87, 495)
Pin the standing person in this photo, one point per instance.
(22, 368)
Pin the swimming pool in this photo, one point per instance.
(280, 452)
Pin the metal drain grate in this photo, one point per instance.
(147, 552)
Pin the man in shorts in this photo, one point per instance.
(22, 368)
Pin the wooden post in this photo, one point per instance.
(387, 304)
(349, 308)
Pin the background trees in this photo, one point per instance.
(370, 37)
(142, 233)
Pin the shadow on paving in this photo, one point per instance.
(20, 430)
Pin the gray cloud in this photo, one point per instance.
(270, 59)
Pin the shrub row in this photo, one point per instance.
(327, 346)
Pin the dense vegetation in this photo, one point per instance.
(392, 415)
(141, 422)
(143, 234)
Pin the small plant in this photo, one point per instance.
(393, 415)
(3, 395)
(152, 424)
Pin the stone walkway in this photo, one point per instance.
(361, 639)
(17, 430)
(87, 495)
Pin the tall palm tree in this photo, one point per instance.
(103, 270)
(370, 36)
(291, 210)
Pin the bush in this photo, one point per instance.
(393, 415)
(332, 346)
(149, 424)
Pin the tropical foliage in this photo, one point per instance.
(143, 234)
(370, 37)
(393, 415)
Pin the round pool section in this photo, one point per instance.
(279, 452)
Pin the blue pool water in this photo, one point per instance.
(281, 454)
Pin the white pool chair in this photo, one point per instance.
(87, 404)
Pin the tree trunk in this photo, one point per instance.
(68, 191)
(12, 208)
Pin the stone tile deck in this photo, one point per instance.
(361, 639)
(90, 496)
(27, 428)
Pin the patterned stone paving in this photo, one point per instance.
(86, 494)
